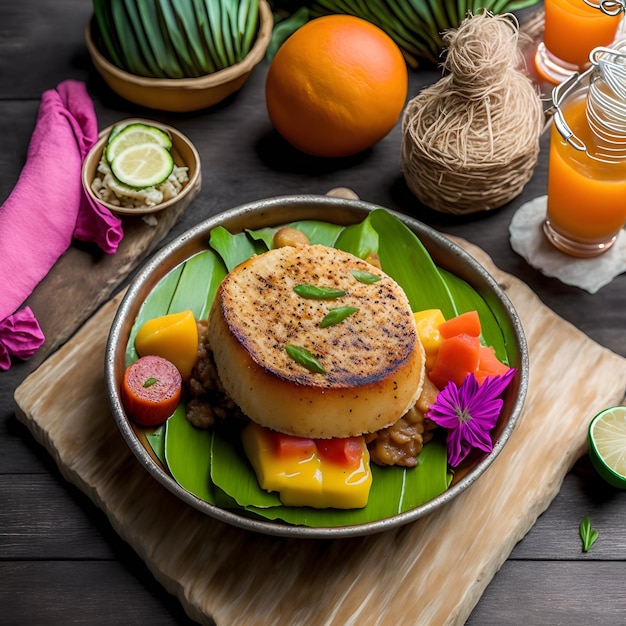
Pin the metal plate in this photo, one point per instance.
(273, 212)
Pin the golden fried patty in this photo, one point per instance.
(372, 360)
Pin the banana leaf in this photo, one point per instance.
(211, 268)
(157, 303)
(403, 256)
(187, 455)
(416, 26)
(359, 239)
(234, 249)
(467, 298)
(318, 232)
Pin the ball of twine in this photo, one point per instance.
(470, 142)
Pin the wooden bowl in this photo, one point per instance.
(183, 152)
(182, 94)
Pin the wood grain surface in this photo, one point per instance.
(62, 562)
(432, 571)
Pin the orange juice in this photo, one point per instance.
(573, 29)
(586, 194)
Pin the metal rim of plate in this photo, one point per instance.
(272, 212)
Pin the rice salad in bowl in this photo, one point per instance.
(110, 190)
(140, 166)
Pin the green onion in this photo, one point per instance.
(364, 277)
(305, 358)
(336, 316)
(311, 292)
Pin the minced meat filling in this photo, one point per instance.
(398, 444)
(206, 398)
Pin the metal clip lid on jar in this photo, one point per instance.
(605, 104)
(608, 7)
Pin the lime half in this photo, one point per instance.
(607, 445)
(143, 165)
(133, 135)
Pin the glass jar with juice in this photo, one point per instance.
(572, 29)
(587, 163)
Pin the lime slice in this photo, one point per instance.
(133, 135)
(114, 130)
(143, 165)
(607, 445)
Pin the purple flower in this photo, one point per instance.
(469, 413)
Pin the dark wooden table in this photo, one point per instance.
(60, 560)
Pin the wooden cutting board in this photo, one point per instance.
(238, 578)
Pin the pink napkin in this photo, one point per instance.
(45, 210)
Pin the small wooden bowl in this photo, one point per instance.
(183, 94)
(183, 152)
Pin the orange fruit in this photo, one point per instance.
(336, 86)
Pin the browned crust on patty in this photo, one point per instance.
(373, 359)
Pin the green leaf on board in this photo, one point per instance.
(588, 534)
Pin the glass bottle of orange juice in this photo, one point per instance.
(587, 164)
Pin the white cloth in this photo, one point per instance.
(528, 240)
